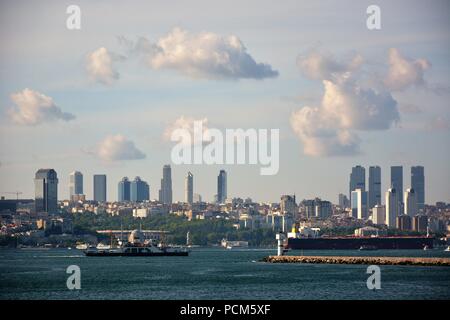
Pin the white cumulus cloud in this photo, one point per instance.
(202, 55)
(404, 72)
(33, 108)
(317, 65)
(331, 128)
(186, 124)
(118, 147)
(100, 66)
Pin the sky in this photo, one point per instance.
(103, 99)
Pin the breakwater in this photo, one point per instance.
(359, 260)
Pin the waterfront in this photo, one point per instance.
(214, 274)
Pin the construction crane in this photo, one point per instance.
(10, 192)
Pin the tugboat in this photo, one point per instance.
(136, 247)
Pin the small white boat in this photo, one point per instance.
(81, 246)
(102, 246)
(447, 249)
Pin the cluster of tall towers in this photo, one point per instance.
(398, 202)
(46, 188)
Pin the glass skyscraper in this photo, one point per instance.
(357, 180)
(165, 193)
(139, 190)
(124, 190)
(46, 191)
(374, 186)
(397, 181)
(222, 186)
(100, 187)
(418, 184)
(189, 188)
(75, 183)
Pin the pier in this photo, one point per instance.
(395, 261)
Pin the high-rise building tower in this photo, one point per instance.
(288, 205)
(392, 207)
(75, 183)
(165, 193)
(100, 187)
(374, 186)
(397, 181)
(418, 184)
(139, 190)
(222, 186)
(359, 204)
(410, 201)
(46, 191)
(357, 180)
(189, 188)
(124, 190)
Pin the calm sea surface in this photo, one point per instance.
(213, 274)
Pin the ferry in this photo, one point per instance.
(136, 247)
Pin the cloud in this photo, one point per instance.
(202, 55)
(99, 65)
(404, 72)
(185, 123)
(320, 136)
(331, 128)
(33, 108)
(319, 66)
(117, 147)
(353, 107)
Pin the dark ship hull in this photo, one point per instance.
(355, 243)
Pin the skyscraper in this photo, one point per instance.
(392, 207)
(374, 186)
(359, 204)
(75, 183)
(288, 205)
(189, 188)
(222, 186)
(124, 190)
(418, 184)
(139, 190)
(397, 181)
(46, 191)
(343, 201)
(410, 201)
(357, 180)
(165, 193)
(100, 187)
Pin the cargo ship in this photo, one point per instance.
(356, 243)
(366, 238)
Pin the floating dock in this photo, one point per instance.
(395, 261)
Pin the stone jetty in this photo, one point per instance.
(396, 261)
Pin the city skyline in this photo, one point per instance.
(297, 62)
(127, 187)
